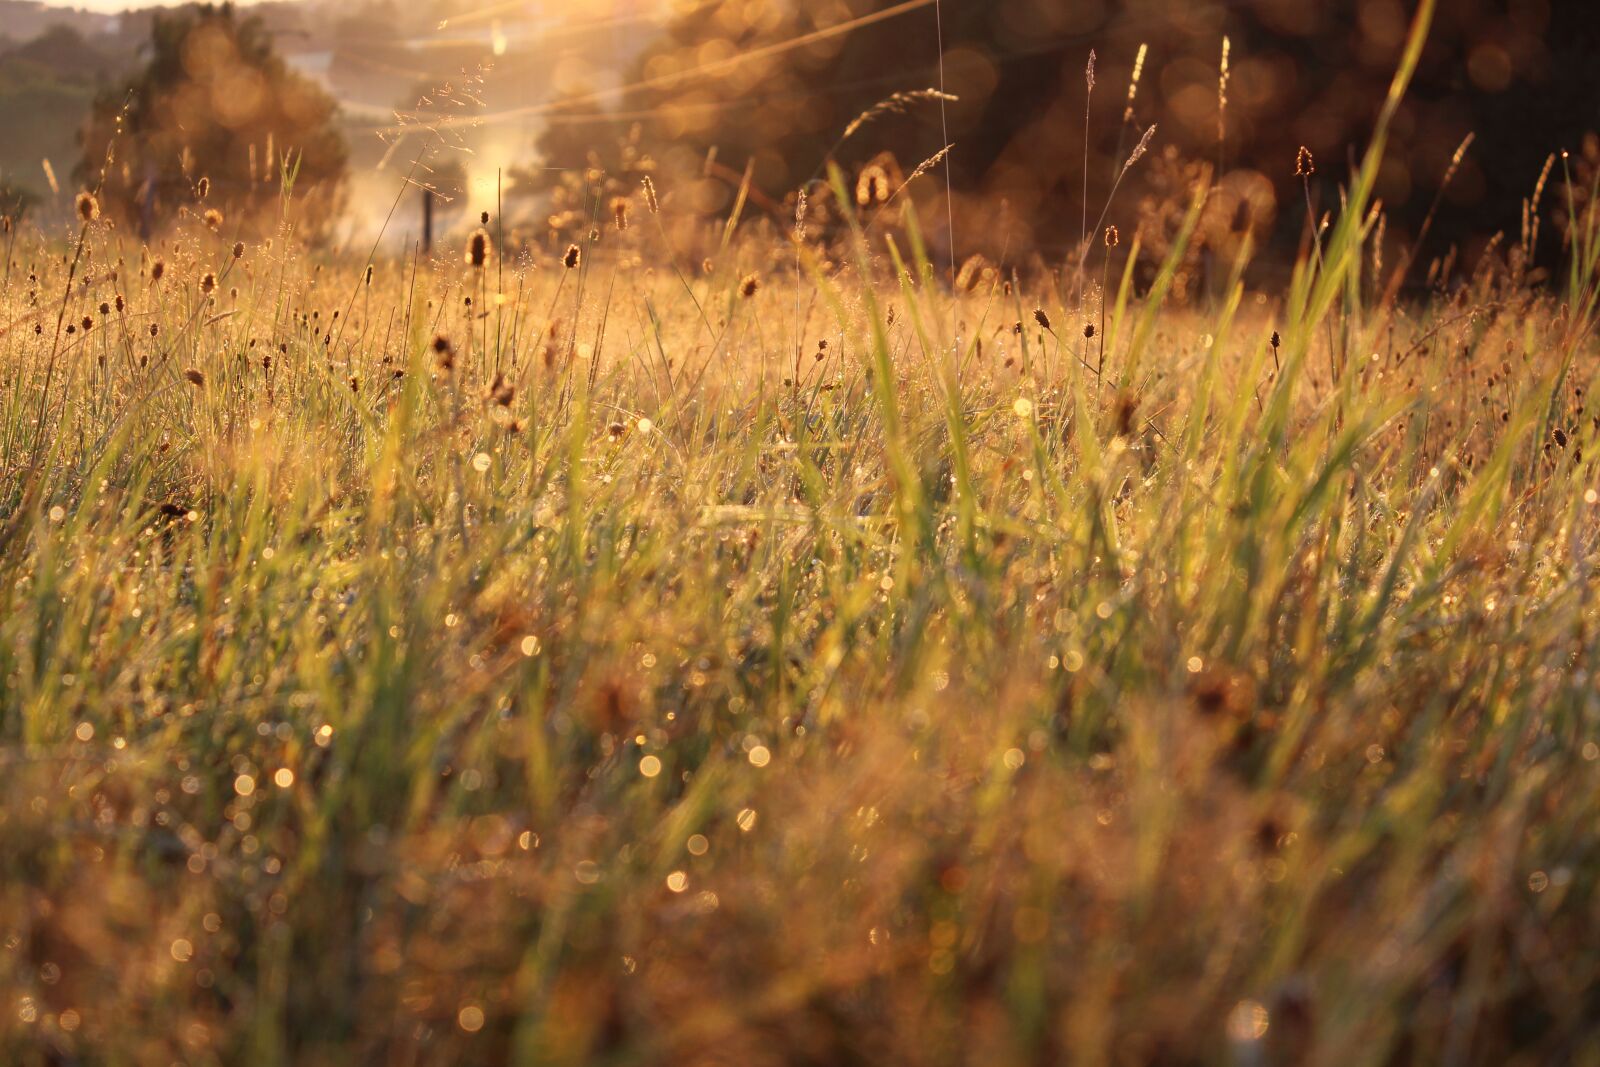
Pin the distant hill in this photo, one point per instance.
(46, 84)
(64, 53)
(26, 19)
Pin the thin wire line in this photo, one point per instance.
(659, 81)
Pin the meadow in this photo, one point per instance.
(751, 642)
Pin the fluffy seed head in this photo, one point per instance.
(748, 287)
(88, 207)
(573, 257)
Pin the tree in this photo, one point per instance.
(776, 84)
(213, 104)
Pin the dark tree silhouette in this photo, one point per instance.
(213, 103)
(1514, 72)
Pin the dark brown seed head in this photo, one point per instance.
(478, 248)
(1041, 318)
(208, 283)
(501, 391)
(1113, 237)
(238, 250)
(1127, 408)
(1088, 329)
(194, 376)
(444, 352)
(573, 257)
(619, 211)
(748, 286)
(213, 218)
(1304, 165)
(88, 207)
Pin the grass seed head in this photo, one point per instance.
(444, 353)
(478, 249)
(501, 391)
(1133, 83)
(872, 187)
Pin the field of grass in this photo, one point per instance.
(620, 658)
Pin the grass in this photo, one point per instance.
(701, 693)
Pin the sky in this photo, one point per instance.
(111, 6)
